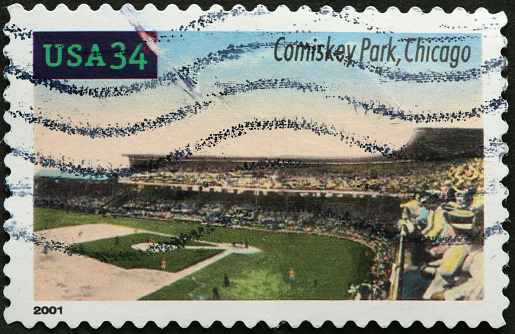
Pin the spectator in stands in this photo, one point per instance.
(461, 263)
(427, 224)
(473, 287)
(363, 291)
(465, 174)
(468, 197)
(435, 217)
(411, 212)
(448, 193)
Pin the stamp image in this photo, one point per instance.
(250, 165)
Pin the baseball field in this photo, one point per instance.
(210, 267)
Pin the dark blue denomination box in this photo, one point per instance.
(94, 55)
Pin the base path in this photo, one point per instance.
(61, 277)
(228, 249)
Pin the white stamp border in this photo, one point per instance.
(20, 138)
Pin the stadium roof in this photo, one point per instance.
(443, 143)
(425, 144)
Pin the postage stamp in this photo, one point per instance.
(255, 165)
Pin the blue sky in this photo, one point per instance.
(181, 49)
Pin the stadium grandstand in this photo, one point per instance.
(409, 209)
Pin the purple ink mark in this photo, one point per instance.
(151, 42)
(234, 52)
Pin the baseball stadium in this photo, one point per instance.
(242, 228)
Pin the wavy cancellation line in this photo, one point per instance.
(230, 53)
(215, 139)
(103, 92)
(296, 124)
(376, 107)
(233, 52)
(116, 131)
(67, 166)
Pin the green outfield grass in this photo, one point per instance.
(180, 291)
(118, 251)
(334, 263)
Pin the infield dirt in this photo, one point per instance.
(59, 276)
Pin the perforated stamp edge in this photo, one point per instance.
(20, 181)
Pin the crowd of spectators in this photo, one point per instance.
(445, 232)
(410, 181)
(248, 215)
(87, 204)
(457, 188)
(444, 229)
(378, 285)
